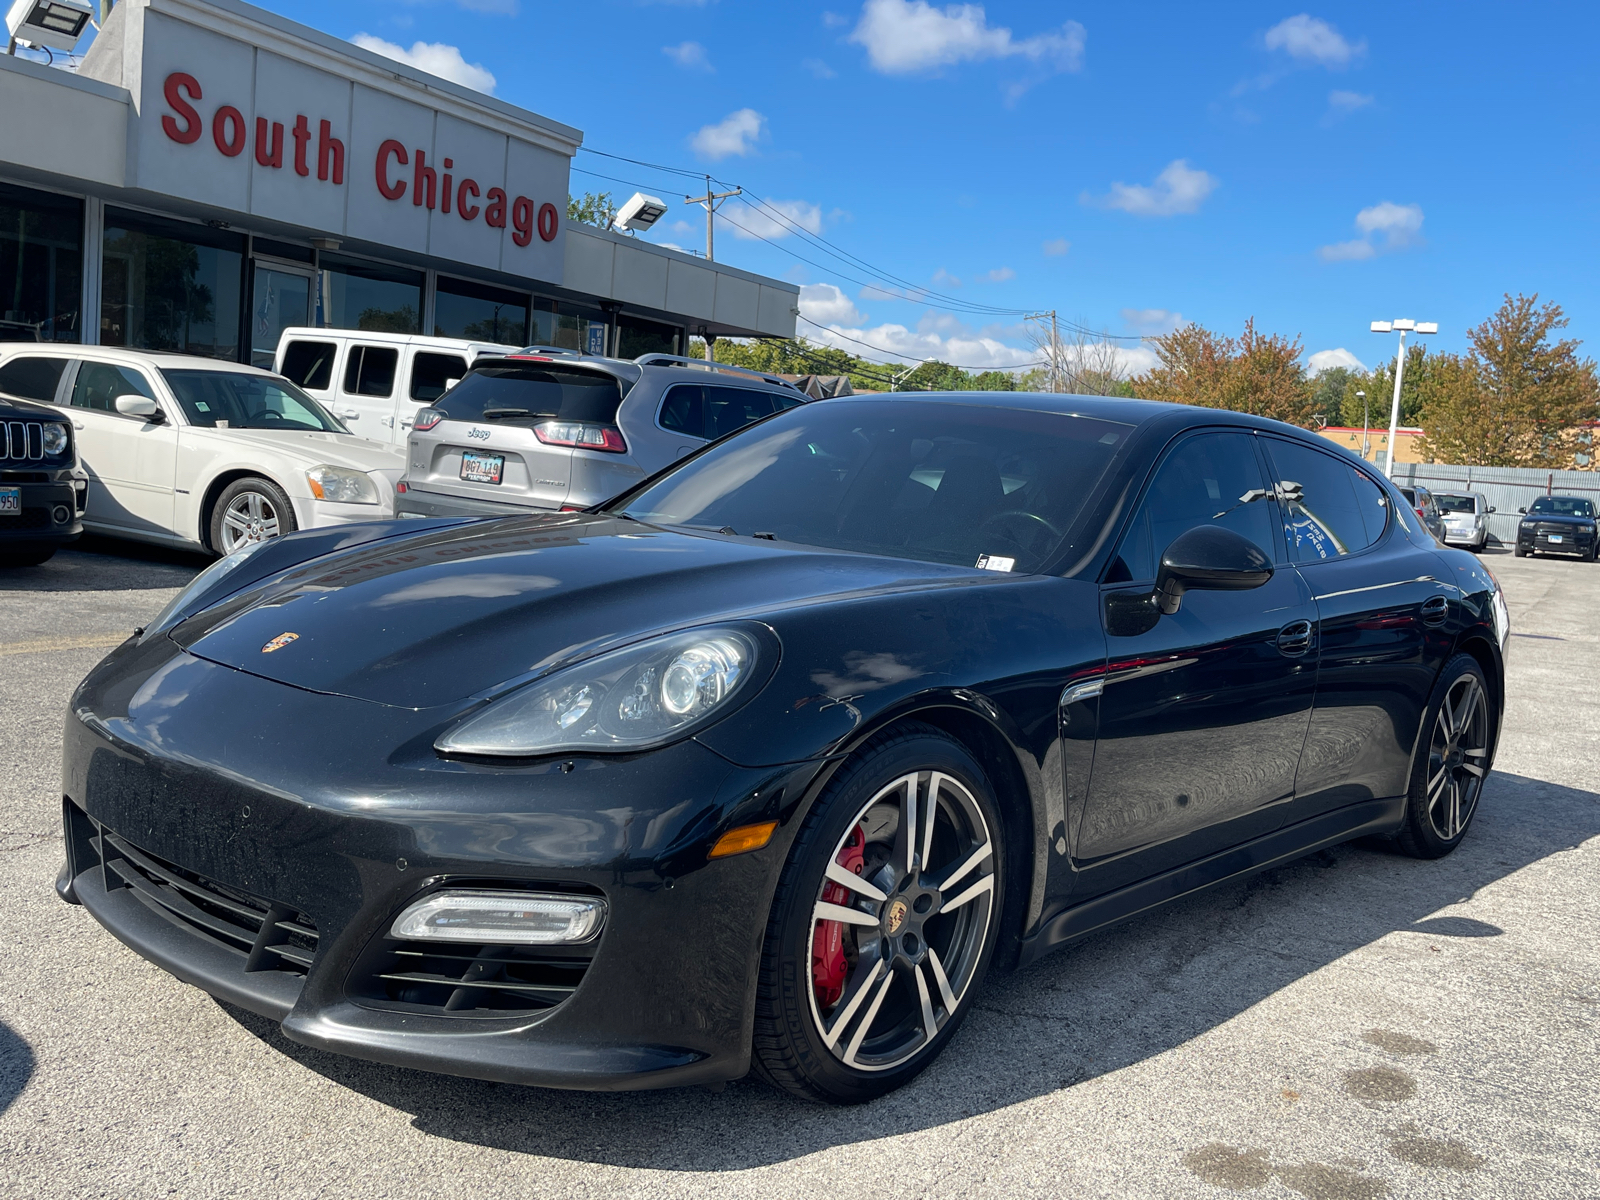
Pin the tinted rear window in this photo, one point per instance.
(32, 377)
(533, 393)
(310, 364)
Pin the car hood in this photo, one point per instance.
(312, 447)
(1559, 519)
(421, 621)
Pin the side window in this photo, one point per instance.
(370, 371)
(682, 410)
(1329, 508)
(310, 364)
(1212, 479)
(99, 384)
(430, 372)
(32, 377)
(728, 409)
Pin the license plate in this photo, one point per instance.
(10, 502)
(482, 468)
(1554, 537)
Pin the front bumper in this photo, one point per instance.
(1576, 544)
(42, 505)
(414, 502)
(332, 814)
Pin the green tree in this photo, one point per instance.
(595, 208)
(1254, 373)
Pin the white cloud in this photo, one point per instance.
(818, 68)
(435, 58)
(907, 346)
(998, 275)
(834, 20)
(943, 278)
(1309, 40)
(750, 222)
(1324, 360)
(691, 56)
(1348, 102)
(1151, 321)
(827, 305)
(1056, 247)
(1178, 189)
(735, 134)
(905, 36)
(1384, 227)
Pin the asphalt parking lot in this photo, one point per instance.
(1356, 1025)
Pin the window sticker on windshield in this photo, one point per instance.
(994, 562)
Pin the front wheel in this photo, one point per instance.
(884, 922)
(1452, 762)
(248, 511)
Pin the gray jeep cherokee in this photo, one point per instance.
(546, 429)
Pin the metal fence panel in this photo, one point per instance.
(1508, 488)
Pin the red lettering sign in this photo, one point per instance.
(190, 132)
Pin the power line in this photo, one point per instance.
(913, 358)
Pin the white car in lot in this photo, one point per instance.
(202, 453)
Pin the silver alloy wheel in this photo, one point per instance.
(915, 921)
(1457, 757)
(249, 518)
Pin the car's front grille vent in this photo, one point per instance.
(29, 518)
(24, 440)
(268, 936)
(24, 477)
(466, 980)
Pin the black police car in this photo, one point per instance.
(1558, 525)
(42, 489)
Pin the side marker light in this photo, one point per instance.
(743, 839)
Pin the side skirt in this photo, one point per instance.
(1272, 850)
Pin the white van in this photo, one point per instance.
(376, 382)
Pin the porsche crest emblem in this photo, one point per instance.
(897, 916)
(279, 642)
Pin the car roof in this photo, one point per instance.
(143, 358)
(398, 339)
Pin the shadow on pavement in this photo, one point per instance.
(1113, 1000)
(16, 1066)
(102, 564)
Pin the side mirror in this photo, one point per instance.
(1522, 510)
(1490, 509)
(1209, 558)
(138, 406)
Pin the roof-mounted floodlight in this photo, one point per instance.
(1427, 327)
(640, 212)
(1405, 323)
(1382, 327)
(49, 24)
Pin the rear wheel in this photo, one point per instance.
(248, 511)
(884, 922)
(1452, 763)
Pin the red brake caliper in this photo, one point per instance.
(828, 966)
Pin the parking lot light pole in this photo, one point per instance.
(1366, 425)
(1403, 327)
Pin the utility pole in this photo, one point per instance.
(1055, 347)
(710, 201)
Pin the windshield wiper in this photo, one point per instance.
(490, 414)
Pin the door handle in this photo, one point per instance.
(77, 424)
(1435, 609)
(349, 414)
(1294, 639)
(408, 422)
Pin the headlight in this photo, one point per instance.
(630, 699)
(55, 439)
(173, 612)
(342, 484)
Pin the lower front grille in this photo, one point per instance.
(28, 518)
(442, 979)
(265, 935)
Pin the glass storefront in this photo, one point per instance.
(361, 295)
(280, 298)
(557, 323)
(481, 314)
(41, 266)
(167, 285)
(636, 337)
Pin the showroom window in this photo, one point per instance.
(647, 337)
(41, 266)
(170, 286)
(479, 314)
(556, 323)
(359, 295)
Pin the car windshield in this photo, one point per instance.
(243, 400)
(950, 483)
(1563, 506)
(533, 393)
(1455, 504)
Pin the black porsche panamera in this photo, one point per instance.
(764, 764)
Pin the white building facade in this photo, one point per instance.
(214, 173)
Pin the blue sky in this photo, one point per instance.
(1129, 165)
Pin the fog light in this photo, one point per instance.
(502, 918)
(61, 513)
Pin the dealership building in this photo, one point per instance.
(213, 174)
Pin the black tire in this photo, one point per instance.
(885, 1021)
(1454, 753)
(1520, 551)
(249, 510)
(31, 557)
